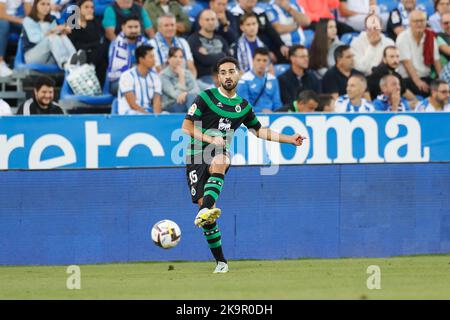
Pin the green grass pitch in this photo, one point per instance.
(411, 277)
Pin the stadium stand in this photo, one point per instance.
(21, 65)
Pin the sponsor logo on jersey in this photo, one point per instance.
(192, 109)
(224, 124)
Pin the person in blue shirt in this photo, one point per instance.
(259, 87)
(390, 98)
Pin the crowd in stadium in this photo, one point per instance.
(155, 56)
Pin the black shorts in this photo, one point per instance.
(197, 174)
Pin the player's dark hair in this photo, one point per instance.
(227, 59)
(434, 85)
(324, 100)
(388, 48)
(44, 81)
(261, 51)
(245, 16)
(339, 52)
(307, 95)
(294, 48)
(141, 51)
(133, 17)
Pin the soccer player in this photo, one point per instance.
(210, 121)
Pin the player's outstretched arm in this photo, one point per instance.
(189, 128)
(269, 135)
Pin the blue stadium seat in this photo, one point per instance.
(20, 64)
(13, 37)
(100, 6)
(115, 106)
(281, 68)
(348, 37)
(68, 95)
(193, 10)
(387, 6)
(427, 5)
(309, 36)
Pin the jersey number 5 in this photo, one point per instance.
(193, 176)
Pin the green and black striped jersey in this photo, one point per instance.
(217, 115)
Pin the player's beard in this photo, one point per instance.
(229, 85)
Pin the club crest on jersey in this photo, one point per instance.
(220, 105)
(224, 124)
(193, 192)
(192, 109)
(238, 108)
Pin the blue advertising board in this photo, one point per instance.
(52, 142)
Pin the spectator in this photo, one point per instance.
(179, 87)
(228, 26)
(418, 52)
(5, 109)
(43, 40)
(318, 10)
(441, 7)
(353, 101)
(391, 98)
(122, 49)
(288, 18)
(307, 101)
(245, 47)
(89, 36)
(334, 81)
(259, 87)
(438, 100)
(156, 8)
(266, 32)
(297, 78)
(368, 47)
(398, 20)
(42, 101)
(10, 21)
(326, 103)
(207, 48)
(166, 38)
(140, 87)
(443, 39)
(324, 43)
(389, 65)
(354, 12)
(115, 15)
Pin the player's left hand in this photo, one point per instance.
(297, 140)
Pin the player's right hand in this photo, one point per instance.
(218, 141)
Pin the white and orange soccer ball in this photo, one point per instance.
(166, 234)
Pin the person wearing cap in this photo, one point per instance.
(140, 87)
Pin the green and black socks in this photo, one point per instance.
(212, 190)
(213, 236)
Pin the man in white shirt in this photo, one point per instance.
(165, 39)
(414, 68)
(5, 109)
(353, 101)
(10, 19)
(438, 100)
(368, 47)
(139, 87)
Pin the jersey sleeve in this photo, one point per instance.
(196, 110)
(251, 121)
